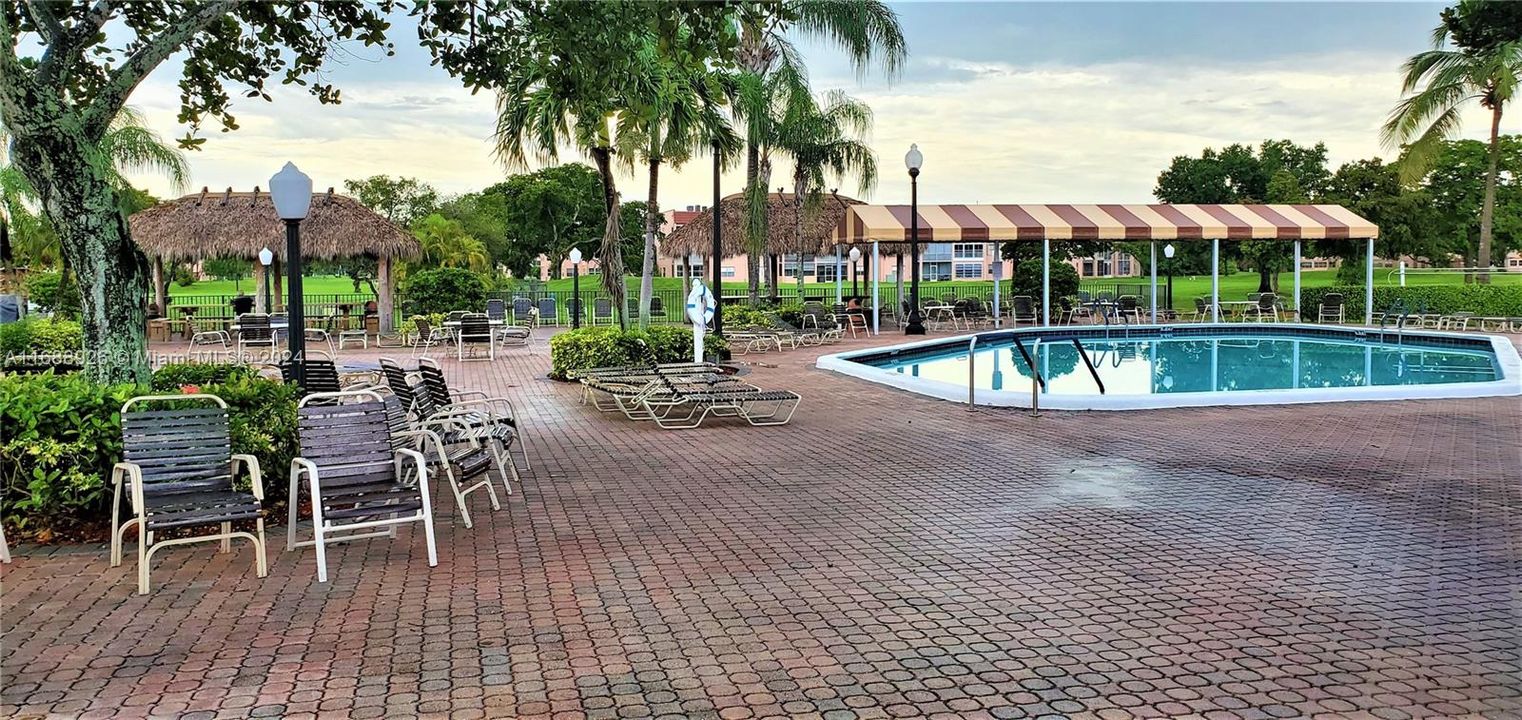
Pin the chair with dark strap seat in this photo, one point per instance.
(476, 331)
(321, 375)
(356, 479)
(459, 463)
(254, 330)
(179, 469)
(523, 311)
(475, 409)
(496, 309)
(466, 423)
(549, 314)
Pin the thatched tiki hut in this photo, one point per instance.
(231, 224)
(696, 237)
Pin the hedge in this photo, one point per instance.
(61, 434)
(610, 347)
(41, 336)
(1482, 300)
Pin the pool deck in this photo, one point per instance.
(885, 555)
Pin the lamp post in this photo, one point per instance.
(575, 258)
(291, 190)
(266, 258)
(1168, 253)
(914, 160)
(855, 264)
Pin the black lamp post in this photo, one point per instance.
(718, 247)
(266, 258)
(575, 258)
(914, 160)
(291, 190)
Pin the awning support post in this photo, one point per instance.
(1046, 281)
(1368, 284)
(1215, 283)
(877, 271)
(837, 275)
(1296, 306)
(1153, 292)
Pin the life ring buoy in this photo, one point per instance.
(700, 304)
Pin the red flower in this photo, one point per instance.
(190, 389)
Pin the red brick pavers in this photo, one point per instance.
(886, 555)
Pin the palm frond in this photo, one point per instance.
(868, 30)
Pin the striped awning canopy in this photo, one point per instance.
(975, 223)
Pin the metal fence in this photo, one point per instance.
(668, 303)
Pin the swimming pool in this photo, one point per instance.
(1195, 365)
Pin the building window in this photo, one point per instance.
(969, 271)
(1123, 265)
(790, 268)
(824, 272)
(729, 272)
(967, 251)
(935, 271)
(1088, 267)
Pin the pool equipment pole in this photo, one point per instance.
(877, 271)
(1046, 281)
(1368, 285)
(1153, 293)
(1403, 273)
(1215, 280)
(1036, 386)
(972, 363)
(837, 274)
(1297, 281)
(998, 271)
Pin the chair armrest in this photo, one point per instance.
(134, 476)
(422, 471)
(255, 476)
(489, 402)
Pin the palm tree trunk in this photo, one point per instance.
(1488, 210)
(752, 249)
(610, 257)
(652, 225)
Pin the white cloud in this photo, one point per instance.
(991, 132)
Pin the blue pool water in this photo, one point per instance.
(1220, 363)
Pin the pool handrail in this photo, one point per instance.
(1090, 364)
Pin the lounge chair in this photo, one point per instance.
(602, 311)
(254, 331)
(665, 400)
(523, 311)
(459, 463)
(1266, 309)
(1022, 309)
(470, 422)
(474, 409)
(356, 479)
(496, 309)
(178, 468)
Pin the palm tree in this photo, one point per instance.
(825, 142)
(128, 146)
(674, 111)
(1438, 84)
(445, 243)
(869, 32)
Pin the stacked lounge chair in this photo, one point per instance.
(682, 395)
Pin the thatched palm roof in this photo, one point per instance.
(238, 224)
(697, 236)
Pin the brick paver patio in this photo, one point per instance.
(886, 555)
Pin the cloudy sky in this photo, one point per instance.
(1010, 102)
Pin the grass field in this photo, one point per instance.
(1185, 288)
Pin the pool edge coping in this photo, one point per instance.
(1507, 358)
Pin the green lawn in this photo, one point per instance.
(1185, 288)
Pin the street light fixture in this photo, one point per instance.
(266, 258)
(1168, 253)
(914, 160)
(291, 190)
(855, 263)
(575, 258)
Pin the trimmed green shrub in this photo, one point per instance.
(441, 290)
(741, 316)
(1482, 300)
(47, 336)
(61, 434)
(609, 346)
(791, 313)
(173, 376)
(54, 292)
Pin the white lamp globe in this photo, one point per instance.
(291, 190)
(914, 159)
(266, 257)
(575, 256)
(855, 254)
(1168, 250)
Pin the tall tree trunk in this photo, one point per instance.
(652, 226)
(753, 248)
(112, 273)
(1488, 210)
(610, 257)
